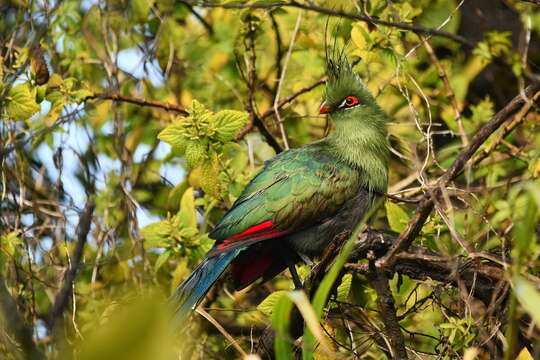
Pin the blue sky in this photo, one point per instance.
(75, 139)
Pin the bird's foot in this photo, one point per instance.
(295, 278)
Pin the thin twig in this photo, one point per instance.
(451, 95)
(279, 50)
(426, 205)
(249, 127)
(282, 79)
(199, 17)
(519, 118)
(222, 330)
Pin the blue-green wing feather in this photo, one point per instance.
(294, 190)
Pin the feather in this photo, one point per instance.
(195, 287)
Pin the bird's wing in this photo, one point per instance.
(294, 190)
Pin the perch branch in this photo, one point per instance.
(426, 204)
(419, 263)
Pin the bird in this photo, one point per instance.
(302, 198)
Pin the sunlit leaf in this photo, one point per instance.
(162, 259)
(187, 215)
(529, 297)
(268, 304)
(229, 123)
(397, 217)
(21, 102)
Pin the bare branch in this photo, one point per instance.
(139, 101)
(385, 302)
(421, 263)
(62, 298)
(426, 204)
(14, 323)
(343, 14)
(281, 104)
(199, 17)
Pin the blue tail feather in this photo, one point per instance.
(195, 287)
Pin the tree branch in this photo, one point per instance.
(62, 298)
(293, 96)
(199, 17)
(271, 111)
(139, 101)
(342, 14)
(420, 263)
(385, 302)
(426, 204)
(14, 323)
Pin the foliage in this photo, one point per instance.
(161, 112)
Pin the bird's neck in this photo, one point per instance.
(363, 147)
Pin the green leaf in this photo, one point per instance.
(397, 217)
(162, 259)
(268, 304)
(140, 9)
(198, 110)
(360, 36)
(9, 242)
(483, 111)
(524, 354)
(311, 318)
(280, 323)
(275, 304)
(175, 135)
(529, 297)
(437, 12)
(157, 234)
(344, 288)
(210, 178)
(524, 230)
(21, 102)
(58, 100)
(195, 153)
(228, 123)
(81, 94)
(187, 215)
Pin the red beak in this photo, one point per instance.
(324, 109)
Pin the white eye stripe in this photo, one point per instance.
(344, 105)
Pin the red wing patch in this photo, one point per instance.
(251, 231)
(257, 232)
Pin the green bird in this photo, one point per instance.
(302, 198)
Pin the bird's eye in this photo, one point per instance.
(349, 102)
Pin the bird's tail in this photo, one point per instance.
(195, 287)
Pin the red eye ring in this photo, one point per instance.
(350, 101)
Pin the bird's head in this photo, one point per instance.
(347, 98)
(359, 125)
